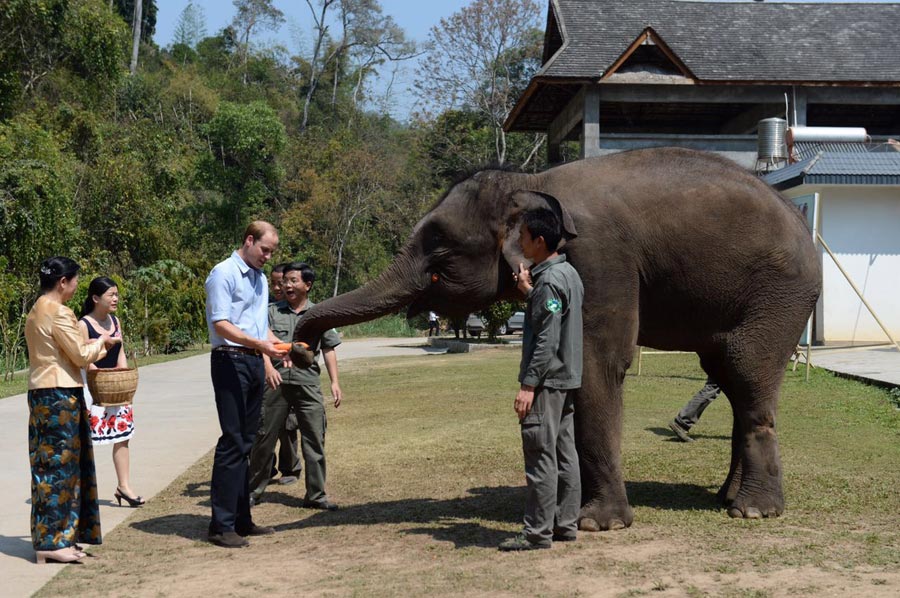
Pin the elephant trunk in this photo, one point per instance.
(398, 286)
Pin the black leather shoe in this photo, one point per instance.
(520, 542)
(323, 505)
(257, 530)
(564, 537)
(228, 539)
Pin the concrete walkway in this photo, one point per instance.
(877, 365)
(175, 425)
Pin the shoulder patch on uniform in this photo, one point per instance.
(553, 306)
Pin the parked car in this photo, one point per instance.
(515, 323)
(474, 325)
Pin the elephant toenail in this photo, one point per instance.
(616, 524)
(588, 525)
(735, 513)
(753, 513)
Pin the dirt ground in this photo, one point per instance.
(429, 488)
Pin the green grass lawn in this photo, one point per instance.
(425, 459)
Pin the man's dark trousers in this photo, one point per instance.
(238, 381)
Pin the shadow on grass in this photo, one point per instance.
(449, 520)
(670, 436)
(192, 527)
(671, 497)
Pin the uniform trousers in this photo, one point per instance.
(308, 403)
(553, 499)
(238, 381)
(690, 413)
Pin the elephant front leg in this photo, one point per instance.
(598, 416)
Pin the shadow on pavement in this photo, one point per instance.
(17, 546)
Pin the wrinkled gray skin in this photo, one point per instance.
(678, 250)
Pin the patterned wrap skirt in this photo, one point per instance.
(64, 508)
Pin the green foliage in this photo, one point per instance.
(95, 42)
(155, 174)
(37, 183)
(496, 316)
(125, 9)
(166, 306)
(245, 141)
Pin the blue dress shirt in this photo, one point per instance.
(240, 294)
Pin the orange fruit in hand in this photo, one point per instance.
(283, 346)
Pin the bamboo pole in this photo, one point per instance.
(863, 299)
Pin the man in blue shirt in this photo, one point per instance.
(237, 299)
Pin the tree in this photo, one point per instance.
(136, 34)
(191, 26)
(367, 39)
(252, 14)
(245, 141)
(480, 58)
(125, 9)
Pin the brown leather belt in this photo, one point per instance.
(233, 349)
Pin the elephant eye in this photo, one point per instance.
(435, 277)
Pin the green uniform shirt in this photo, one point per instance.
(282, 321)
(552, 334)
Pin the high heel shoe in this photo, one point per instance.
(132, 502)
(60, 556)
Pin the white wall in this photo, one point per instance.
(861, 225)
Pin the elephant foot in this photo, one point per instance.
(599, 518)
(728, 492)
(756, 507)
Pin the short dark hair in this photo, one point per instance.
(306, 272)
(98, 286)
(542, 222)
(280, 267)
(55, 269)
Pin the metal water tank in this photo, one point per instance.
(770, 143)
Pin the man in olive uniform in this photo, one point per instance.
(298, 389)
(549, 373)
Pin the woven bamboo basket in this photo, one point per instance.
(113, 387)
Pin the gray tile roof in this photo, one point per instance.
(839, 168)
(736, 41)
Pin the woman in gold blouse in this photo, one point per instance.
(64, 509)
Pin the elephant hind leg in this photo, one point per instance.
(751, 379)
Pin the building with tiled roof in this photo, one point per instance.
(621, 74)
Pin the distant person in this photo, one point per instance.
(299, 389)
(109, 425)
(64, 508)
(691, 412)
(237, 317)
(549, 372)
(275, 283)
(434, 324)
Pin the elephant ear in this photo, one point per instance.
(523, 201)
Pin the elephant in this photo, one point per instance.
(677, 249)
